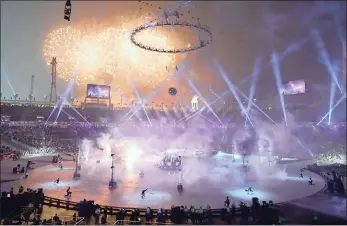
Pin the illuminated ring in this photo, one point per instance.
(202, 43)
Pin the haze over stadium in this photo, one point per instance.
(192, 101)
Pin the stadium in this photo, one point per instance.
(143, 118)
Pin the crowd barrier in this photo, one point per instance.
(112, 210)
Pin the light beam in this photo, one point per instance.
(277, 73)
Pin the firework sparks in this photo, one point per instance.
(92, 50)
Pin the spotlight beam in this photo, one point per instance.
(325, 57)
(287, 52)
(191, 84)
(70, 86)
(139, 98)
(78, 113)
(293, 47)
(253, 104)
(50, 115)
(65, 95)
(200, 110)
(231, 88)
(206, 119)
(331, 97)
(254, 79)
(69, 115)
(339, 29)
(126, 100)
(305, 147)
(277, 73)
(344, 60)
(7, 79)
(330, 110)
(210, 89)
(148, 98)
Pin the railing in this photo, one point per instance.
(118, 222)
(26, 210)
(112, 210)
(121, 222)
(69, 219)
(156, 223)
(80, 221)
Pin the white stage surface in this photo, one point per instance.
(212, 187)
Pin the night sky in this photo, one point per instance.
(242, 31)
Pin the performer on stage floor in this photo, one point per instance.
(68, 192)
(249, 190)
(57, 181)
(143, 193)
(310, 182)
(227, 202)
(142, 174)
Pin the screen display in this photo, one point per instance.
(294, 87)
(98, 91)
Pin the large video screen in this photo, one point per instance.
(98, 91)
(294, 87)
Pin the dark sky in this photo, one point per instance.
(242, 31)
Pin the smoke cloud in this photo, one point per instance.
(208, 155)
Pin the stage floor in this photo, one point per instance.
(162, 185)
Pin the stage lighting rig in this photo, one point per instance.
(112, 183)
(67, 10)
(166, 21)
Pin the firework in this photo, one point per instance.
(91, 51)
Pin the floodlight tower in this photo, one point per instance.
(112, 183)
(77, 174)
(269, 156)
(180, 185)
(53, 94)
(31, 88)
(15, 96)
